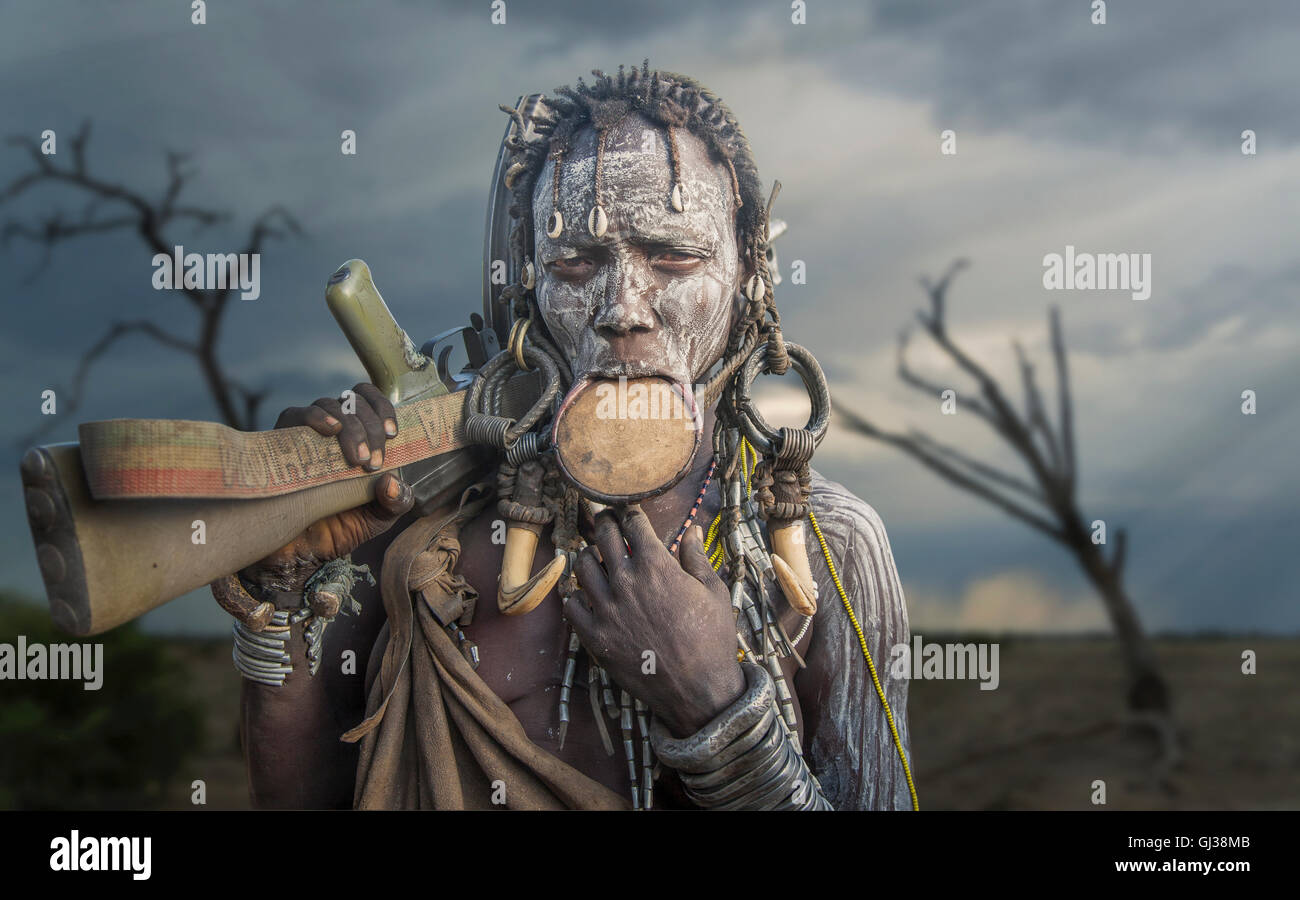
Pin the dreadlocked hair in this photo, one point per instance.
(674, 102)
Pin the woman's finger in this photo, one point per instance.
(352, 434)
(374, 427)
(593, 580)
(382, 406)
(609, 541)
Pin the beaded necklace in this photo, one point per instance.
(695, 507)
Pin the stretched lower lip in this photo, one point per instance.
(684, 388)
(624, 373)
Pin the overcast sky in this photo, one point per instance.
(1123, 137)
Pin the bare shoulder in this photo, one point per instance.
(857, 542)
(844, 514)
(852, 555)
(855, 712)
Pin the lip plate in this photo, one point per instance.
(575, 449)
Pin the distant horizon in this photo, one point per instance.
(152, 625)
(1123, 138)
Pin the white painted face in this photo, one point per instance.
(655, 295)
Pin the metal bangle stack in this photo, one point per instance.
(744, 758)
(263, 656)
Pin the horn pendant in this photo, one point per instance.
(518, 590)
(790, 563)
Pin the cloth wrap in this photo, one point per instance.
(435, 735)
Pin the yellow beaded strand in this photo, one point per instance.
(862, 642)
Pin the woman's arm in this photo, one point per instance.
(848, 740)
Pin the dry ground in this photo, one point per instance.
(1054, 725)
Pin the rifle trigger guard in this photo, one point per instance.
(440, 348)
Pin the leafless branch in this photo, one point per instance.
(982, 469)
(266, 226)
(931, 461)
(1117, 560)
(932, 388)
(1035, 413)
(132, 210)
(1065, 409)
(1053, 468)
(999, 413)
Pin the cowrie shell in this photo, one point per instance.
(755, 288)
(529, 277)
(555, 225)
(597, 222)
(679, 203)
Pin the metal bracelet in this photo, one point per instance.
(772, 776)
(767, 764)
(698, 752)
(263, 656)
(766, 742)
(744, 758)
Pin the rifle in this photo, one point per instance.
(116, 519)
(116, 538)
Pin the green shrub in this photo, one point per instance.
(64, 747)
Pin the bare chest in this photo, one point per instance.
(523, 660)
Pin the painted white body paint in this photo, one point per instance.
(632, 314)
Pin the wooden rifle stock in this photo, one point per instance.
(105, 562)
(117, 519)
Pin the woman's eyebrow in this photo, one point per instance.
(644, 235)
(673, 238)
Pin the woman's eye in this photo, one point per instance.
(571, 264)
(676, 258)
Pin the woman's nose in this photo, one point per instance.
(625, 307)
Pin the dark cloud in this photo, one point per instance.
(1243, 301)
(262, 92)
(1156, 75)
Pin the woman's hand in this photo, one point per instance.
(664, 630)
(361, 436)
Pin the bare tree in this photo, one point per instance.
(112, 207)
(1046, 501)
